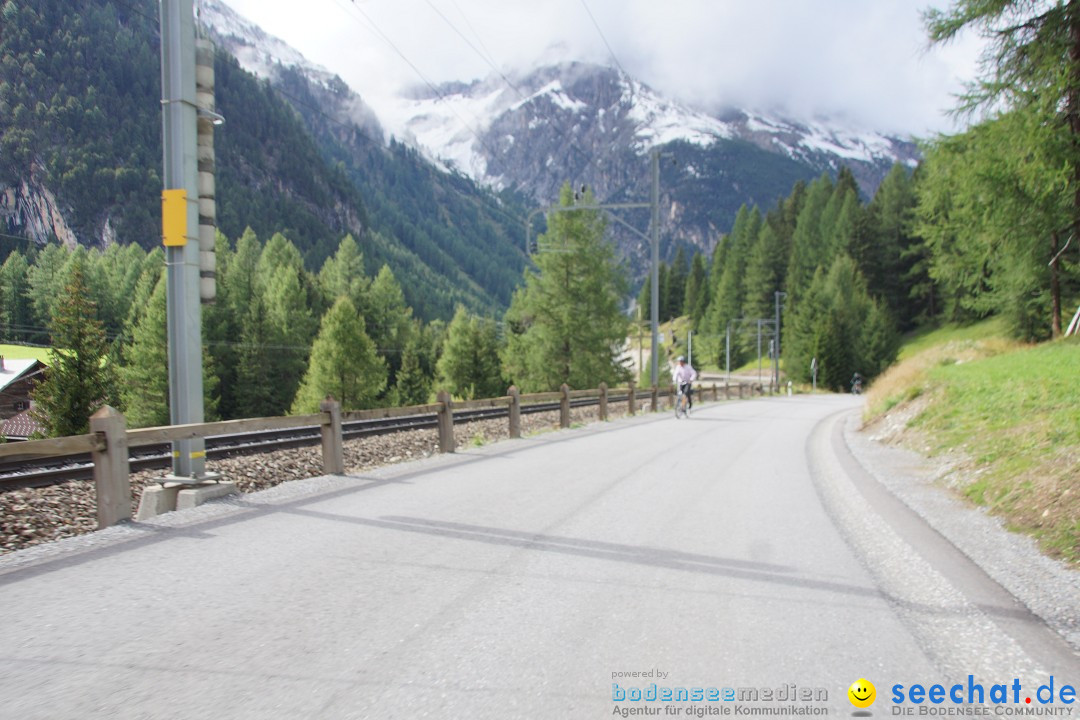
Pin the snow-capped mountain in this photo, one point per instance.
(272, 59)
(531, 132)
(472, 128)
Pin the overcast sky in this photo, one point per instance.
(864, 60)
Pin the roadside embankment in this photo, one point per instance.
(1003, 421)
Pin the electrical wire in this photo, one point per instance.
(592, 163)
(415, 69)
(604, 38)
(491, 64)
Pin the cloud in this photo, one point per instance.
(865, 61)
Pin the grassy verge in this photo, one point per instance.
(1012, 410)
(24, 352)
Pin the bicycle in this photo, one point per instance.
(682, 404)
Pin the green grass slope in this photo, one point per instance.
(1011, 411)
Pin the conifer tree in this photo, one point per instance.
(565, 325)
(15, 310)
(840, 325)
(47, 282)
(808, 246)
(896, 262)
(289, 328)
(79, 379)
(764, 273)
(343, 274)
(343, 364)
(1031, 84)
(469, 367)
(676, 290)
(413, 385)
(144, 376)
(388, 319)
(144, 372)
(696, 299)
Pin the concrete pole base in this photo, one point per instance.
(172, 495)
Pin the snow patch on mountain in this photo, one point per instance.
(265, 56)
(661, 122)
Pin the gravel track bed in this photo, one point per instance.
(32, 516)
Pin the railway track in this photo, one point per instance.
(22, 474)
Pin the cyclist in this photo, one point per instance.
(683, 376)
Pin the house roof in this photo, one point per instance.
(15, 369)
(22, 425)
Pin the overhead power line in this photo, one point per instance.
(481, 55)
(604, 38)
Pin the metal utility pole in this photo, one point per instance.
(759, 351)
(776, 362)
(640, 344)
(180, 221)
(654, 374)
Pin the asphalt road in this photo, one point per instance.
(737, 549)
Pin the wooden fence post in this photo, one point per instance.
(671, 397)
(632, 399)
(515, 411)
(715, 393)
(654, 399)
(603, 402)
(111, 467)
(333, 454)
(727, 390)
(446, 423)
(564, 406)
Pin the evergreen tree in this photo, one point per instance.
(894, 264)
(1031, 67)
(221, 329)
(469, 367)
(15, 309)
(728, 297)
(238, 277)
(79, 380)
(565, 325)
(144, 376)
(144, 372)
(344, 363)
(663, 278)
(676, 290)
(47, 282)
(696, 298)
(343, 274)
(289, 328)
(984, 256)
(764, 273)
(413, 385)
(388, 319)
(840, 325)
(809, 248)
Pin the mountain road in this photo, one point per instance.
(742, 552)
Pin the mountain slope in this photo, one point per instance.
(80, 153)
(463, 233)
(595, 126)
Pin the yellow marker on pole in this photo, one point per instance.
(174, 213)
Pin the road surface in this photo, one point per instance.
(536, 578)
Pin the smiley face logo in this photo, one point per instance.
(862, 693)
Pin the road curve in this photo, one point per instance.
(526, 579)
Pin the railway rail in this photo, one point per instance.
(22, 474)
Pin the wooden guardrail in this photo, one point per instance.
(109, 438)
